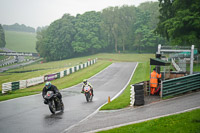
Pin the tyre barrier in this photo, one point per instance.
(137, 94)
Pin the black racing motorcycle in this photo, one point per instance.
(55, 104)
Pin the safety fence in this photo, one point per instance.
(180, 85)
(10, 86)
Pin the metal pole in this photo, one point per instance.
(149, 81)
(159, 47)
(161, 93)
(191, 59)
(197, 62)
(164, 74)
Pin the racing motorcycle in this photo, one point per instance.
(88, 93)
(55, 104)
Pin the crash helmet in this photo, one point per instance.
(85, 81)
(48, 85)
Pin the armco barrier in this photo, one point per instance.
(22, 84)
(15, 85)
(65, 73)
(68, 71)
(6, 87)
(34, 81)
(180, 85)
(38, 80)
(50, 77)
(58, 75)
(62, 74)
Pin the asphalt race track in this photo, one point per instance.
(30, 115)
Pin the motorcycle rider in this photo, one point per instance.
(50, 87)
(86, 83)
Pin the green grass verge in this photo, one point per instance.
(188, 122)
(141, 74)
(196, 67)
(61, 83)
(20, 41)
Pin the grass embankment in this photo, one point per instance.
(141, 74)
(188, 122)
(20, 41)
(36, 70)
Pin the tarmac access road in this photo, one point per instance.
(3, 69)
(104, 120)
(30, 115)
(10, 61)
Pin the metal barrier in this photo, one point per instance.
(180, 85)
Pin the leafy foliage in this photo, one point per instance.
(126, 28)
(180, 21)
(2, 37)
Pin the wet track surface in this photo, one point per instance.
(30, 115)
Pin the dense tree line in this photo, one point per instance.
(114, 29)
(18, 27)
(179, 21)
(2, 37)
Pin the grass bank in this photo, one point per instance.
(20, 41)
(188, 122)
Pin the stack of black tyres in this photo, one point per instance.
(139, 94)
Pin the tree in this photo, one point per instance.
(2, 37)
(87, 38)
(126, 28)
(54, 43)
(180, 21)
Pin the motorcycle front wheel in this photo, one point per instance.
(62, 107)
(87, 96)
(52, 107)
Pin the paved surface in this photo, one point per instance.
(110, 119)
(30, 115)
(20, 59)
(16, 65)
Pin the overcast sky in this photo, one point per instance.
(36, 13)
